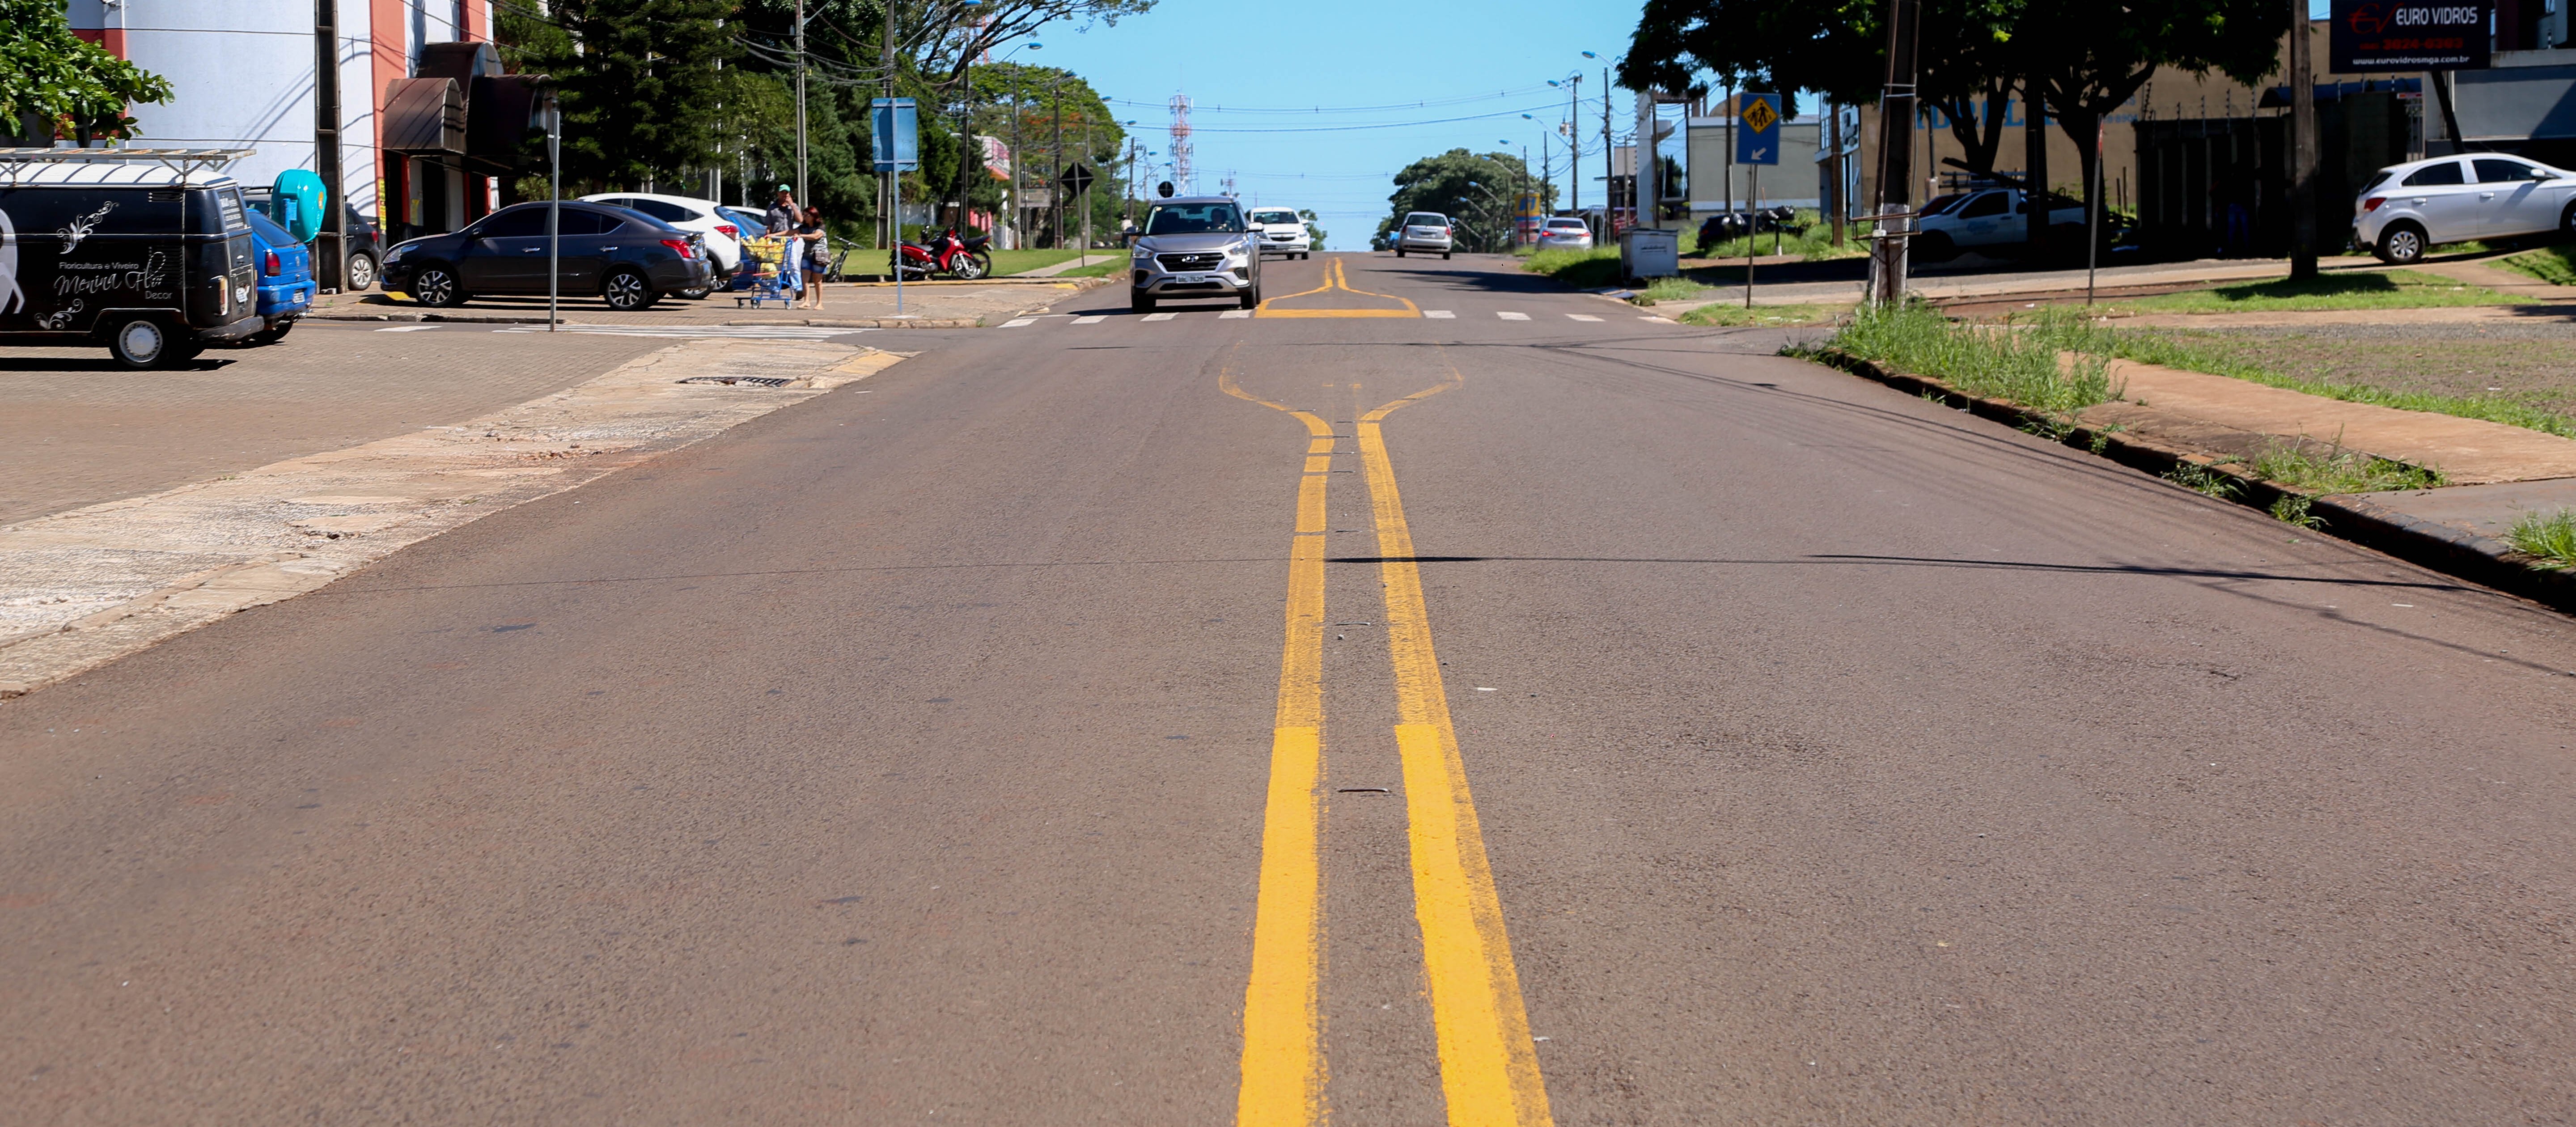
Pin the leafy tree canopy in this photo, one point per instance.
(1477, 189)
(53, 84)
(638, 80)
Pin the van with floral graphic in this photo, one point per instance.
(152, 258)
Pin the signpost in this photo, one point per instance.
(1076, 180)
(1757, 143)
(894, 127)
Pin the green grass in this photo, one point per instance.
(2337, 470)
(2551, 538)
(1008, 262)
(1815, 244)
(1100, 269)
(2397, 289)
(2554, 265)
(2016, 362)
(1670, 289)
(2151, 347)
(1730, 314)
(1583, 269)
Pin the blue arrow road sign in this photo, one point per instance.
(894, 127)
(1757, 129)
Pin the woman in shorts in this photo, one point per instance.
(816, 254)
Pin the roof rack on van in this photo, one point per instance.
(175, 158)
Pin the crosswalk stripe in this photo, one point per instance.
(1663, 320)
(1440, 314)
(1582, 317)
(698, 332)
(1513, 316)
(1234, 315)
(1094, 319)
(1160, 316)
(1019, 322)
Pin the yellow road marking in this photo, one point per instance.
(1337, 278)
(1283, 1023)
(1488, 1067)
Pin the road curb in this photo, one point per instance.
(460, 318)
(866, 322)
(2354, 518)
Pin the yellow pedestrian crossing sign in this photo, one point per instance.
(1760, 117)
(1757, 131)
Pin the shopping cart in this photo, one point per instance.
(759, 278)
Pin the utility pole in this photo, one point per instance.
(1574, 143)
(1834, 199)
(1887, 259)
(2034, 181)
(1609, 167)
(893, 191)
(1729, 199)
(326, 138)
(2303, 149)
(800, 92)
(1055, 179)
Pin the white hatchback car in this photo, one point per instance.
(1565, 232)
(1282, 232)
(724, 238)
(2410, 208)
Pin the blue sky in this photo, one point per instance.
(1350, 53)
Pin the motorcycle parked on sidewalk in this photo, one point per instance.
(966, 260)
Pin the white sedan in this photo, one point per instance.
(723, 237)
(1565, 233)
(2410, 208)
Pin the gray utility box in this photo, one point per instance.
(1646, 252)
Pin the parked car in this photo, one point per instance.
(1992, 218)
(286, 285)
(724, 235)
(1283, 232)
(626, 257)
(1425, 232)
(1565, 232)
(366, 243)
(1194, 246)
(2410, 208)
(154, 261)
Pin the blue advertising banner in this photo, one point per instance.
(1757, 129)
(896, 128)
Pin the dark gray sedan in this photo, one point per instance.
(628, 258)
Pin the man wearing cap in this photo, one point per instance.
(783, 214)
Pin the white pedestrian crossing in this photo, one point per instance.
(1234, 315)
(1094, 319)
(1160, 316)
(1440, 314)
(1019, 322)
(1582, 317)
(699, 332)
(1508, 316)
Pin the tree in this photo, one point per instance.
(54, 85)
(1463, 186)
(1314, 228)
(638, 80)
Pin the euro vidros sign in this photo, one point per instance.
(2370, 36)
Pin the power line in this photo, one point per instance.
(1465, 99)
(1379, 125)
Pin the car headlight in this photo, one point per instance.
(395, 255)
(1141, 252)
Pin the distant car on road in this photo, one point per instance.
(706, 217)
(1194, 246)
(1425, 232)
(1283, 232)
(1565, 232)
(2410, 208)
(626, 257)
(286, 285)
(1992, 218)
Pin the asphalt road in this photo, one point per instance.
(1602, 718)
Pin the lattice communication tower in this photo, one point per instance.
(1181, 152)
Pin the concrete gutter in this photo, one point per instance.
(2353, 517)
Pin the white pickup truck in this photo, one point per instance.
(1987, 217)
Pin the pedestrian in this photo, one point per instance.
(817, 255)
(791, 263)
(782, 213)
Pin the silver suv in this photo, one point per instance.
(1195, 247)
(1424, 232)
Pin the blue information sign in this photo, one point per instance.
(896, 129)
(1757, 129)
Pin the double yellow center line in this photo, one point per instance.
(1337, 280)
(1489, 1071)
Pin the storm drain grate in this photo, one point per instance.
(729, 381)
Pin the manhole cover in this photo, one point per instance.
(754, 381)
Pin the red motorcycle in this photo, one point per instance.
(963, 259)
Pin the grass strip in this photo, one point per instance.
(1582, 269)
(2395, 289)
(2338, 470)
(1009, 262)
(1095, 270)
(2550, 539)
(2017, 362)
(2151, 347)
(1727, 314)
(2554, 265)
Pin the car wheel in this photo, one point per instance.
(141, 343)
(435, 286)
(270, 336)
(694, 295)
(1935, 246)
(2402, 244)
(1140, 303)
(1252, 298)
(362, 272)
(627, 291)
(1399, 252)
(1444, 256)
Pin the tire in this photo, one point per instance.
(269, 336)
(970, 268)
(143, 343)
(1935, 246)
(2401, 244)
(362, 272)
(627, 291)
(1444, 256)
(1140, 303)
(436, 286)
(1252, 298)
(1399, 252)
